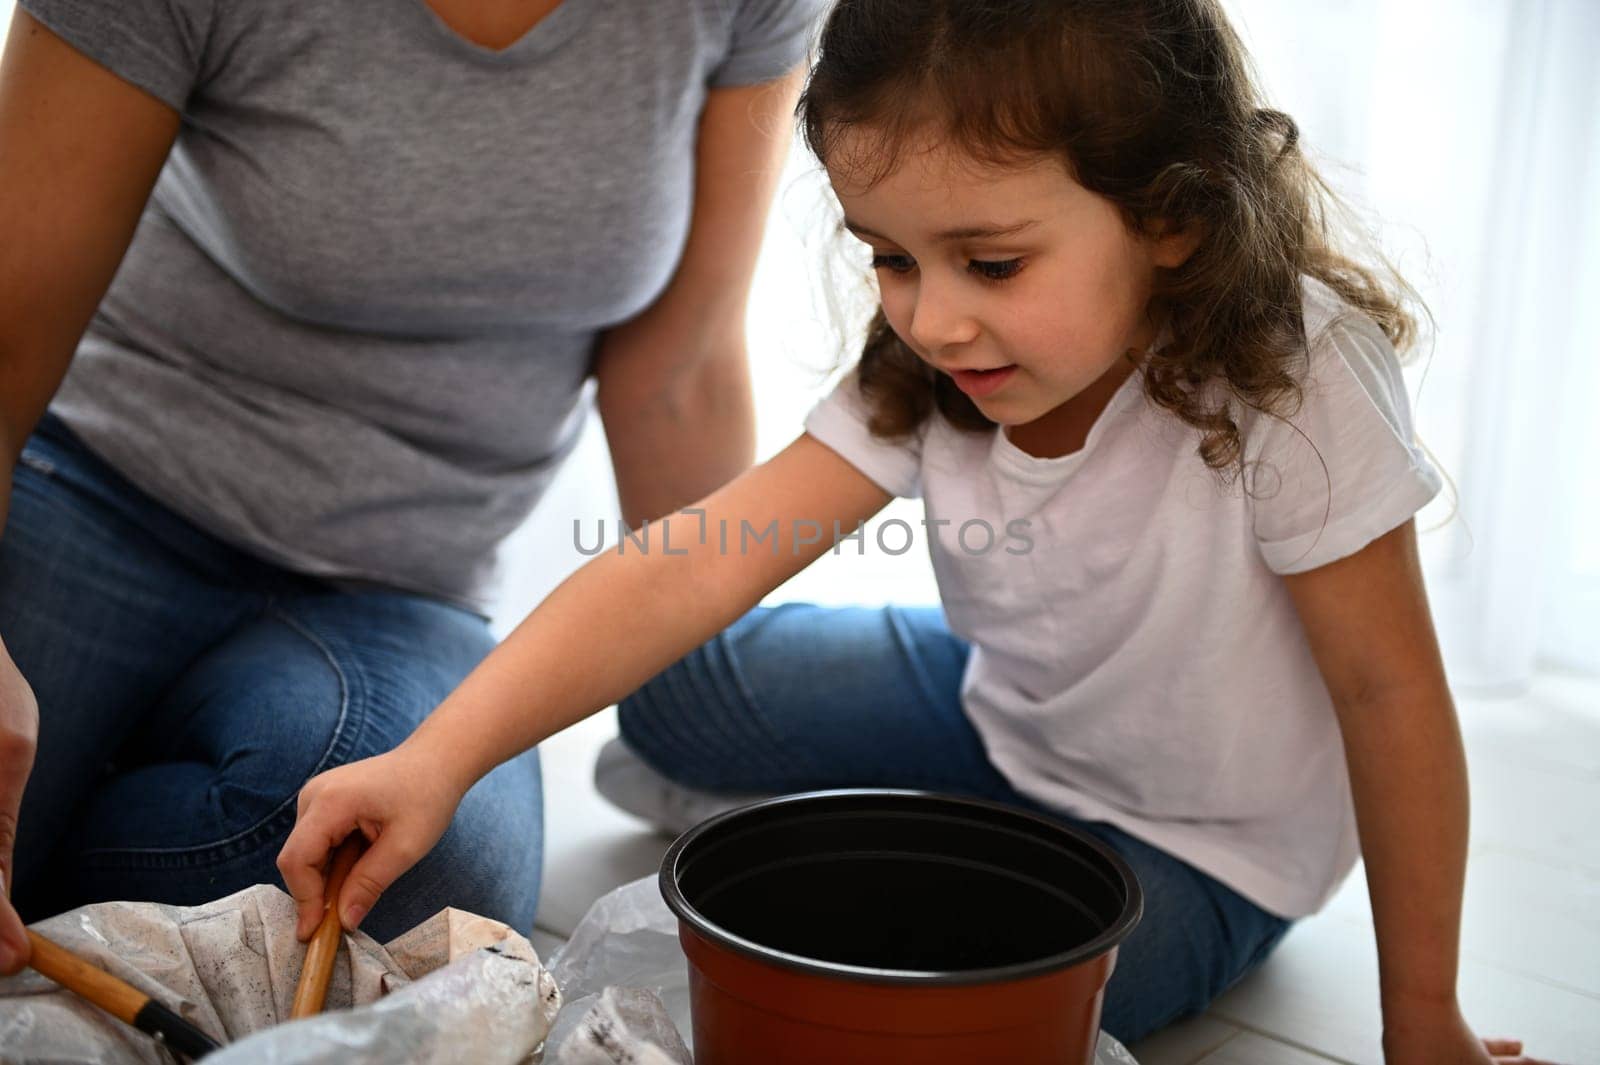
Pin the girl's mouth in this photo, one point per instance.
(982, 382)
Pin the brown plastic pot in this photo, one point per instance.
(884, 927)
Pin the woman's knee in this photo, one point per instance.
(100, 620)
(303, 691)
(210, 786)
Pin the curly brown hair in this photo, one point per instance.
(1151, 104)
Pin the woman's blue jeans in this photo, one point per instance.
(187, 690)
(799, 697)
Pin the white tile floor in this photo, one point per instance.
(1531, 935)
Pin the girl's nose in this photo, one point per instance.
(940, 320)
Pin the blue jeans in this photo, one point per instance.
(799, 697)
(186, 690)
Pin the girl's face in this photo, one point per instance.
(1022, 285)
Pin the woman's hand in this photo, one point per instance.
(399, 801)
(1434, 1034)
(19, 735)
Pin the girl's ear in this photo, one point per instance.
(1171, 246)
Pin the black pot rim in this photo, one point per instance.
(1132, 910)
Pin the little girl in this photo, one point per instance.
(1158, 424)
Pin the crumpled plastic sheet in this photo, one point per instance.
(457, 987)
(622, 1026)
(490, 1006)
(626, 984)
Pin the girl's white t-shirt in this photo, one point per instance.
(1135, 657)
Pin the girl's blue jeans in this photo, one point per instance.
(186, 690)
(799, 697)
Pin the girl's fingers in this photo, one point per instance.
(303, 860)
(379, 867)
(1509, 1052)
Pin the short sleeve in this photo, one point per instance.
(1345, 468)
(157, 45)
(769, 37)
(840, 422)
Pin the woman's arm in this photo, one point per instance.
(79, 152)
(674, 382)
(1367, 620)
(613, 625)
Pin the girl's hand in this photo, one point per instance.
(1439, 1035)
(400, 803)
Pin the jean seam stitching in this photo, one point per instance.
(196, 854)
(37, 463)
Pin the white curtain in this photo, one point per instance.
(1471, 132)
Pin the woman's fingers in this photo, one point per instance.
(19, 733)
(14, 943)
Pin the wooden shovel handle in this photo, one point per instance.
(118, 998)
(317, 969)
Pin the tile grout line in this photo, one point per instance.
(1276, 1038)
(1538, 978)
(1204, 1054)
(1523, 854)
(1533, 764)
(1479, 959)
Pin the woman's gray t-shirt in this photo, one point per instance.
(353, 327)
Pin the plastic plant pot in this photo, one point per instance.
(883, 927)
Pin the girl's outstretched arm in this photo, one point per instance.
(1367, 620)
(602, 633)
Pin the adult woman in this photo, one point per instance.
(345, 352)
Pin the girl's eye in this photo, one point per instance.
(995, 271)
(899, 264)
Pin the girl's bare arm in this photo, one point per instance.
(605, 631)
(1368, 623)
(625, 616)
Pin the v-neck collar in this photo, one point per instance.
(542, 38)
